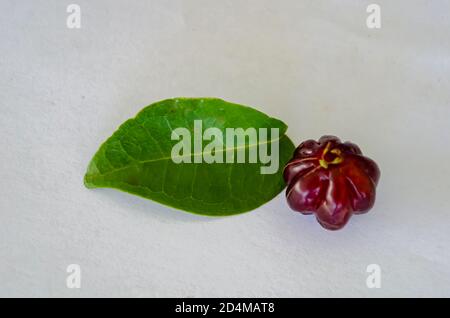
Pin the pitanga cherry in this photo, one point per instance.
(332, 180)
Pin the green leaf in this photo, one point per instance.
(137, 159)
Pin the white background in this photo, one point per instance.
(313, 64)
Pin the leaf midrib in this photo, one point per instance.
(138, 162)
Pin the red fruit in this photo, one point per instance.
(331, 179)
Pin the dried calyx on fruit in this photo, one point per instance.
(331, 179)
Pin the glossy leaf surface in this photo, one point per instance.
(137, 159)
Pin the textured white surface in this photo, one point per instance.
(313, 64)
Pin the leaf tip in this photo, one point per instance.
(87, 183)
